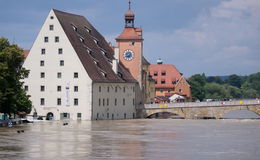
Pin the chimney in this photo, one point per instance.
(115, 61)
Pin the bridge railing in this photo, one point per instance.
(204, 104)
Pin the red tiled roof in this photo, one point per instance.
(130, 33)
(94, 70)
(172, 75)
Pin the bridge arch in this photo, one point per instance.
(227, 110)
(241, 114)
(149, 113)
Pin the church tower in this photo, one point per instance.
(130, 45)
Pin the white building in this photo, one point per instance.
(74, 75)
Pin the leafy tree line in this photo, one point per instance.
(233, 86)
(13, 98)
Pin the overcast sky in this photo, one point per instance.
(215, 37)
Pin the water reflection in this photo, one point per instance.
(133, 139)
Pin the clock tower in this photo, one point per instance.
(130, 45)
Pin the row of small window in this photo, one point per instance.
(59, 75)
(43, 51)
(112, 116)
(76, 101)
(42, 63)
(163, 73)
(106, 102)
(162, 81)
(42, 88)
(169, 91)
(116, 88)
(56, 39)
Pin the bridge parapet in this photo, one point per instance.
(241, 102)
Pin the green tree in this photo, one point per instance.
(234, 80)
(254, 80)
(215, 79)
(233, 91)
(13, 97)
(215, 91)
(197, 83)
(248, 91)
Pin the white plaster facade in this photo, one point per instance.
(114, 101)
(87, 94)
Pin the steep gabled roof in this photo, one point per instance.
(171, 77)
(92, 49)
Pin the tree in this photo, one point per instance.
(248, 90)
(214, 79)
(13, 97)
(233, 91)
(197, 83)
(215, 91)
(234, 80)
(254, 80)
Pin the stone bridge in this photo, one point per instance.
(195, 110)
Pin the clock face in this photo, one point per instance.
(128, 54)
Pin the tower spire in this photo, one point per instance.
(129, 16)
(129, 4)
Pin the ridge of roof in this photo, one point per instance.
(84, 36)
(130, 33)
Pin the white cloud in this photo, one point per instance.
(224, 40)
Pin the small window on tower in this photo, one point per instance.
(155, 73)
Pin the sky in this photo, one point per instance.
(215, 37)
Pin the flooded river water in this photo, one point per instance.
(150, 139)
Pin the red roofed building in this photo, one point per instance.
(168, 80)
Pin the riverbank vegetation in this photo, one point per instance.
(225, 87)
(13, 97)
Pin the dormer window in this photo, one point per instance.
(104, 74)
(74, 27)
(120, 74)
(96, 62)
(96, 41)
(81, 39)
(104, 53)
(87, 29)
(88, 49)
